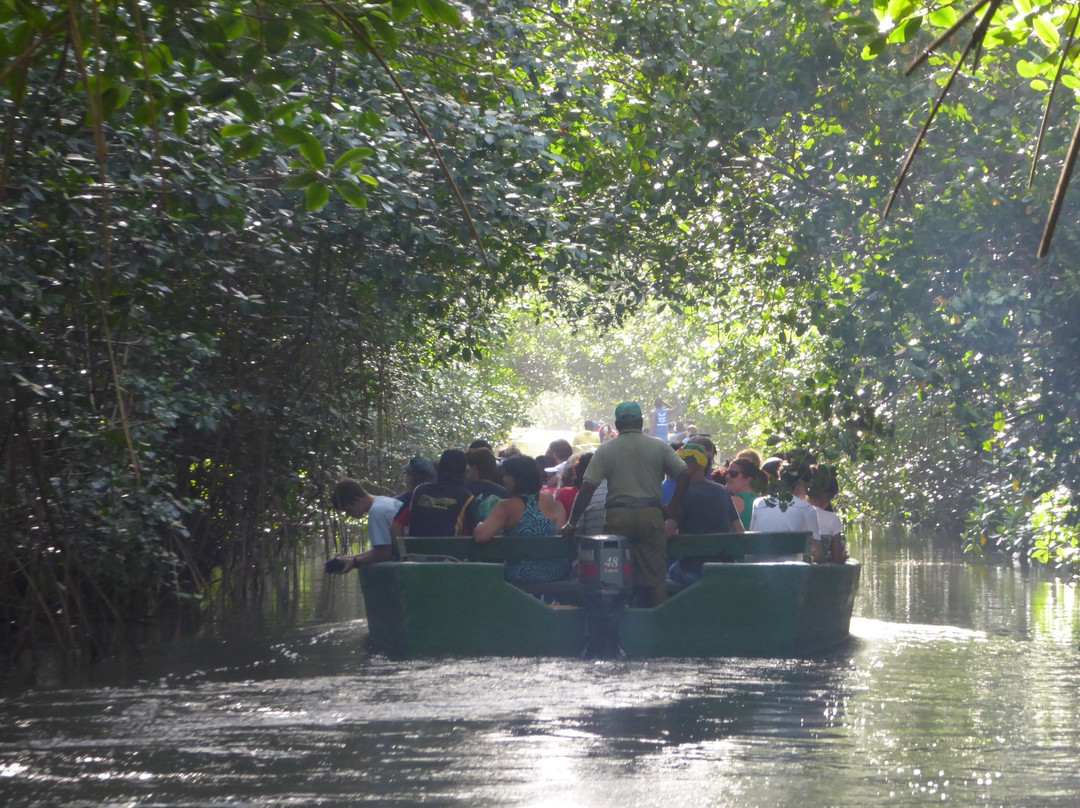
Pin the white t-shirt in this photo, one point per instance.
(799, 515)
(828, 522)
(380, 515)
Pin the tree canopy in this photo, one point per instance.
(252, 246)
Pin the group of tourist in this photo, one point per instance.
(634, 484)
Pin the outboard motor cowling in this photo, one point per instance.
(605, 581)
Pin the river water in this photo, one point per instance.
(961, 685)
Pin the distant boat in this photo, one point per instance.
(763, 608)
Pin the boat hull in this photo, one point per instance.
(784, 609)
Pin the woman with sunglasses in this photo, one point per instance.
(740, 476)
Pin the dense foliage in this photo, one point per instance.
(250, 246)
(998, 343)
(196, 334)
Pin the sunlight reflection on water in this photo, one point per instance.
(880, 630)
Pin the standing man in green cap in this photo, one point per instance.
(634, 466)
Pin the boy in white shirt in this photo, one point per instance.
(351, 498)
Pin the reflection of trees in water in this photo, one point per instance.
(909, 577)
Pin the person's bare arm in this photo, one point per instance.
(682, 483)
(496, 521)
(376, 555)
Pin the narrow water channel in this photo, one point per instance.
(961, 685)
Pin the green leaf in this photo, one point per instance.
(115, 97)
(314, 27)
(157, 59)
(214, 32)
(235, 26)
(278, 76)
(1028, 70)
(277, 33)
(943, 17)
(302, 180)
(353, 156)
(214, 91)
(251, 57)
(313, 151)
(290, 135)
(401, 9)
(33, 14)
(1046, 31)
(145, 114)
(352, 193)
(383, 28)
(873, 48)
(900, 9)
(181, 121)
(439, 11)
(316, 196)
(248, 105)
(250, 146)
(235, 130)
(96, 84)
(857, 25)
(283, 111)
(907, 31)
(16, 85)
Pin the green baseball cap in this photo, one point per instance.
(628, 411)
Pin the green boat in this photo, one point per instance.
(449, 597)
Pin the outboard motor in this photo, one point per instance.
(604, 578)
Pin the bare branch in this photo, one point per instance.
(977, 37)
(1050, 97)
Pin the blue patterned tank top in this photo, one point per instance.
(534, 523)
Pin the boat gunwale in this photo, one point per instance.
(516, 548)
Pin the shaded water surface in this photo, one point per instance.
(961, 685)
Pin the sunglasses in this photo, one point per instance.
(732, 473)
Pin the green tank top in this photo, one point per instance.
(748, 508)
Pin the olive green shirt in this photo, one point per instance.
(634, 466)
